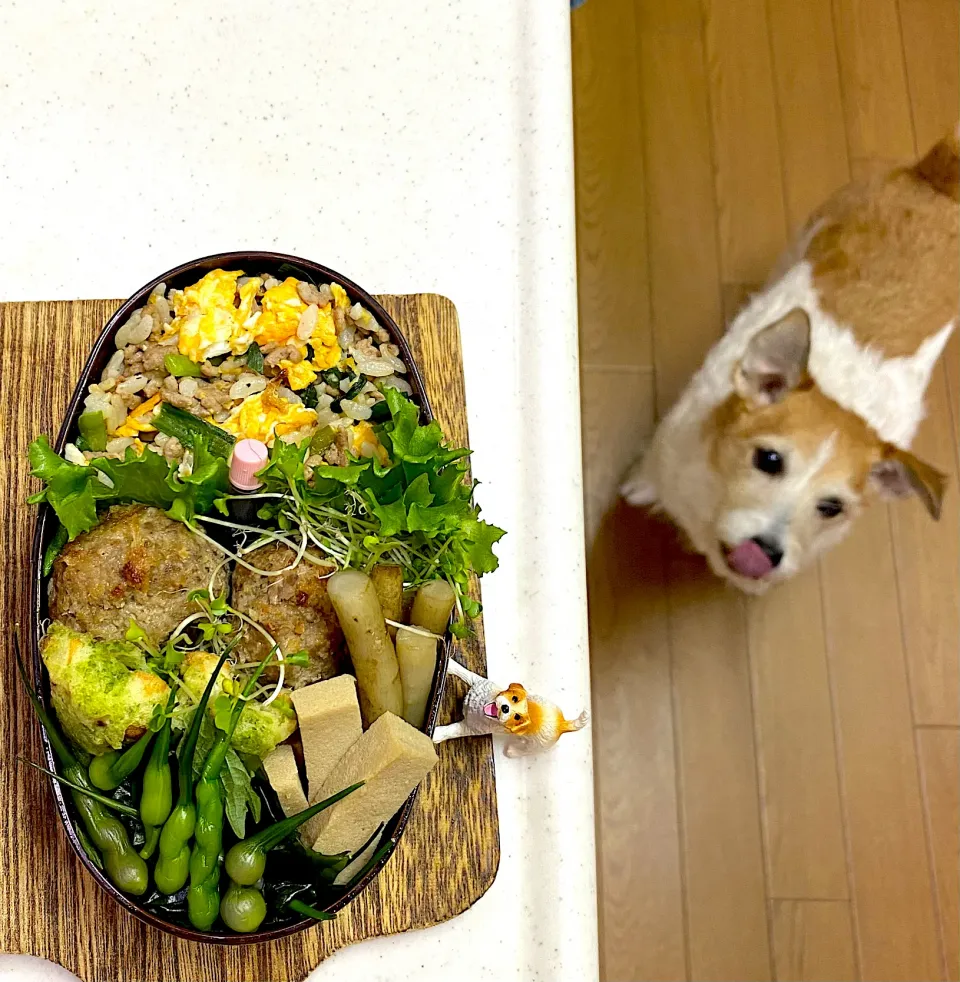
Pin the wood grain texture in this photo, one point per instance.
(746, 143)
(803, 821)
(681, 210)
(641, 901)
(48, 903)
(873, 80)
(939, 751)
(896, 923)
(614, 293)
(812, 941)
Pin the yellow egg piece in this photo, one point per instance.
(362, 432)
(340, 297)
(299, 375)
(265, 415)
(206, 317)
(281, 308)
(326, 350)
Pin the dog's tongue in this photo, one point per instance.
(749, 560)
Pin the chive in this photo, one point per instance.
(354, 389)
(57, 543)
(301, 908)
(255, 358)
(93, 429)
(187, 427)
(332, 376)
(181, 366)
(311, 354)
(310, 397)
(102, 798)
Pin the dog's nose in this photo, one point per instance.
(771, 548)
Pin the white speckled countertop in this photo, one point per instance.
(422, 146)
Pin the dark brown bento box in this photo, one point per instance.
(180, 276)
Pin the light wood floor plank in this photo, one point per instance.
(940, 760)
(809, 105)
(794, 720)
(897, 928)
(928, 572)
(873, 80)
(931, 45)
(723, 861)
(812, 941)
(611, 218)
(682, 217)
(616, 419)
(641, 909)
(746, 143)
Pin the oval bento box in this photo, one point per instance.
(181, 276)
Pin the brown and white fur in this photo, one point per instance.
(825, 372)
(531, 724)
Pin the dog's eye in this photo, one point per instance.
(829, 507)
(516, 698)
(516, 716)
(768, 461)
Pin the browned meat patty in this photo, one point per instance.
(295, 609)
(137, 564)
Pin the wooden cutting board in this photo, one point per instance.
(49, 906)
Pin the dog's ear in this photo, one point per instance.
(898, 474)
(775, 361)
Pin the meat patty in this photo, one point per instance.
(295, 609)
(137, 564)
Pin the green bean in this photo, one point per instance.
(242, 908)
(203, 895)
(156, 795)
(186, 428)
(108, 771)
(247, 859)
(126, 870)
(173, 862)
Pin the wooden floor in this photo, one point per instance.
(776, 778)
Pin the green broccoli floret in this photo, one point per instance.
(260, 728)
(101, 691)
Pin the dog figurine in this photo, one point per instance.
(530, 723)
(806, 408)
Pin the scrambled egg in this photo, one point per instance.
(208, 322)
(299, 376)
(361, 433)
(267, 415)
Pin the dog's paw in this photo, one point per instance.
(637, 489)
